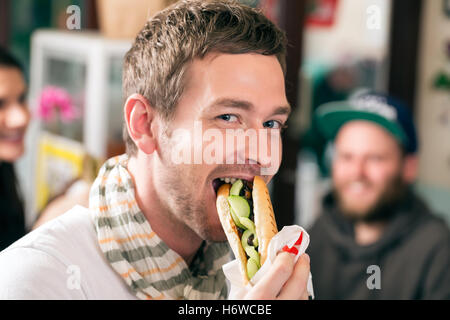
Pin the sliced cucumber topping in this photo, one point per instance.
(236, 219)
(253, 254)
(252, 267)
(236, 187)
(244, 239)
(239, 205)
(247, 223)
(240, 212)
(249, 239)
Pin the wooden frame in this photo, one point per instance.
(403, 49)
(292, 14)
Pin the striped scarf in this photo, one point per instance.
(148, 266)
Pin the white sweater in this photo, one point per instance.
(60, 260)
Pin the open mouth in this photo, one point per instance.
(220, 181)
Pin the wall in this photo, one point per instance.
(361, 29)
(433, 105)
(433, 110)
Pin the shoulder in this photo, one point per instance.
(323, 221)
(434, 238)
(63, 236)
(28, 273)
(60, 260)
(39, 264)
(433, 228)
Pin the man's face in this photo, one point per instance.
(367, 168)
(14, 115)
(223, 92)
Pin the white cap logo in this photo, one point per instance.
(376, 105)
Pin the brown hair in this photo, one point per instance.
(156, 65)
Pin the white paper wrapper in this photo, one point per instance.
(288, 236)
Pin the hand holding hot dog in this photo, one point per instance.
(247, 217)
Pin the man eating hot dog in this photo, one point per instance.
(152, 230)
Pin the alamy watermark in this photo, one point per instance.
(73, 22)
(74, 279)
(373, 21)
(374, 280)
(234, 146)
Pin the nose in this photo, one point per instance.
(262, 149)
(357, 167)
(17, 116)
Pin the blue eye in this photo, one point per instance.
(273, 124)
(228, 117)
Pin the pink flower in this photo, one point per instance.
(52, 99)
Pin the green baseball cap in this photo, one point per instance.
(383, 110)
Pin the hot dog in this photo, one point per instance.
(247, 217)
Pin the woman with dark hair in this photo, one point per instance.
(14, 119)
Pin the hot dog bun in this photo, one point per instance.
(223, 209)
(266, 226)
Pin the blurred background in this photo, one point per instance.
(72, 51)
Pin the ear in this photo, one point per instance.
(410, 168)
(139, 117)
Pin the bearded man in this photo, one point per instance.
(376, 239)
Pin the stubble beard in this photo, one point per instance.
(382, 209)
(182, 189)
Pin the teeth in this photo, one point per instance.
(228, 180)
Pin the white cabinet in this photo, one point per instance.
(89, 68)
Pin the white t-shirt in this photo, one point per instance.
(60, 260)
